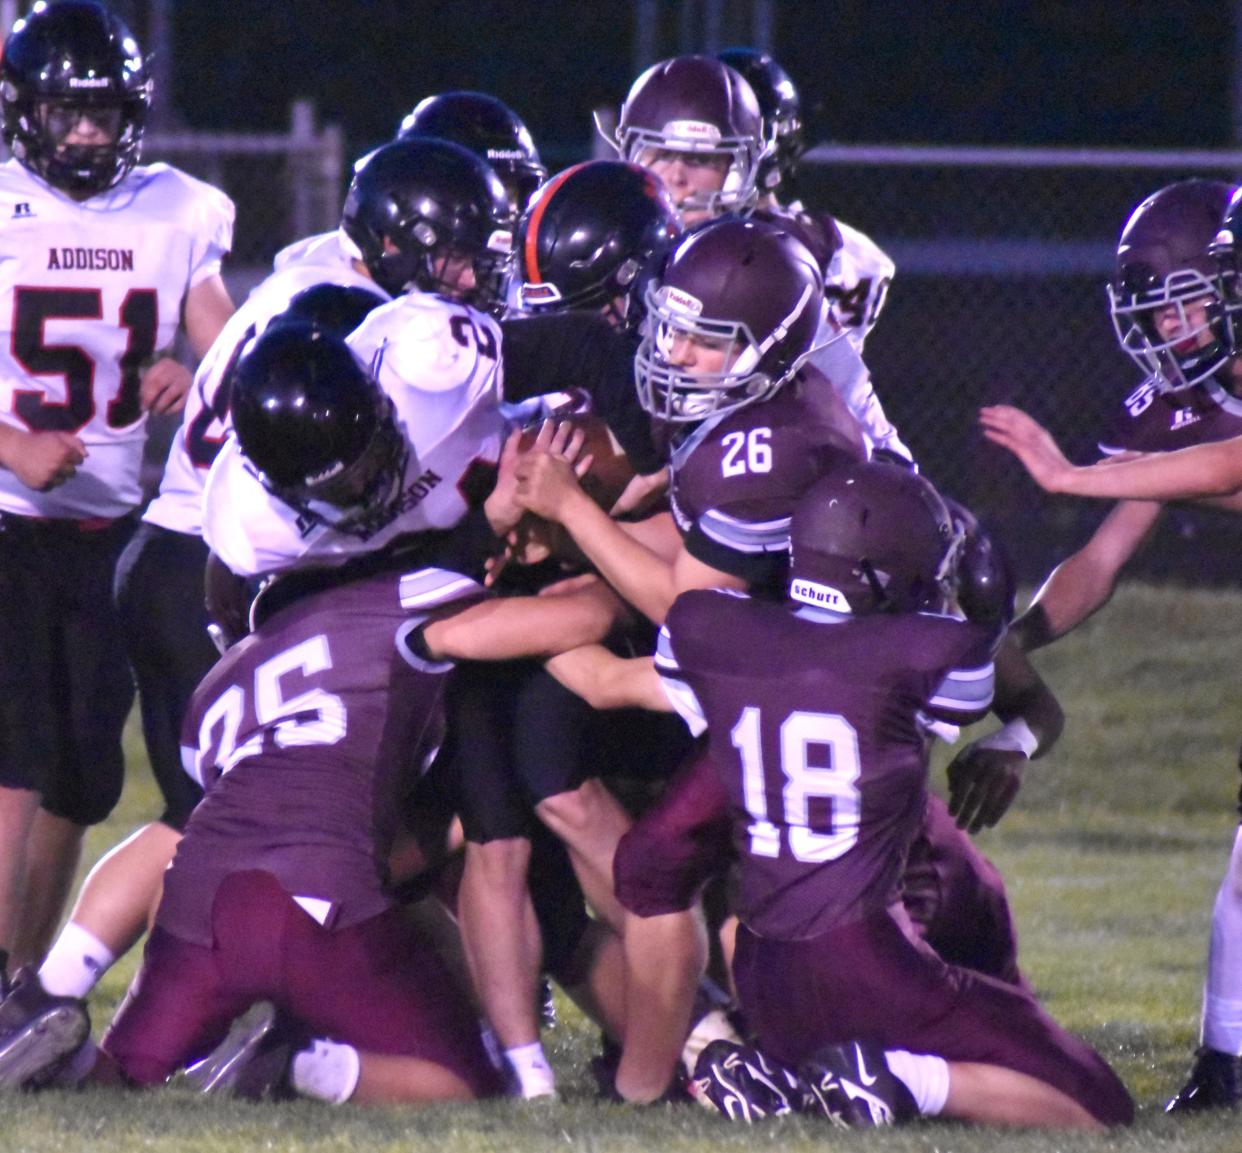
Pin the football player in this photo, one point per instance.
(816, 712)
(720, 367)
(1174, 302)
(696, 123)
(334, 280)
(312, 724)
(106, 259)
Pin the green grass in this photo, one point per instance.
(1112, 855)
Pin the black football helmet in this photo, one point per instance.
(745, 286)
(986, 585)
(873, 537)
(1163, 269)
(487, 127)
(334, 308)
(590, 236)
(419, 208)
(64, 63)
(696, 104)
(318, 430)
(781, 108)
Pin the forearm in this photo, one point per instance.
(638, 573)
(607, 681)
(1199, 471)
(1084, 582)
(1023, 697)
(512, 628)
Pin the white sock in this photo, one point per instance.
(75, 962)
(925, 1075)
(534, 1074)
(327, 1070)
(714, 1025)
(1222, 993)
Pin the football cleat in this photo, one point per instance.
(855, 1088)
(252, 1062)
(1215, 1082)
(37, 1032)
(740, 1083)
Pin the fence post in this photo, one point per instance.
(303, 217)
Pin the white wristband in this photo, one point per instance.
(1014, 737)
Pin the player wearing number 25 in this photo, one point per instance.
(101, 261)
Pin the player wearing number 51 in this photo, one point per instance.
(103, 260)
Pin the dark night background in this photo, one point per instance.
(1107, 72)
(999, 292)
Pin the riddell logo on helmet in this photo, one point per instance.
(692, 130)
(818, 595)
(505, 154)
(677, 301)
(89, 82)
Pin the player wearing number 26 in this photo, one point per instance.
(102, 260)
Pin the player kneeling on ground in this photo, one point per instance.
(817, 714)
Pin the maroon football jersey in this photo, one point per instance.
(1153, 421)
(816, 725)
(304, 734)
(734, 481)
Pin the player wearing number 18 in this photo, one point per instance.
(103, 260)
(817, 712)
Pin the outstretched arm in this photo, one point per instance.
(510, 628)
(1202, 470)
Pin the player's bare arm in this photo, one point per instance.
(511, 628)
(607, 681)
(1202, 470)
(1084, 582)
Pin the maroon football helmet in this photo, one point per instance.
(1163, 264)
(873, 537)
(744, 287)
(697, 104)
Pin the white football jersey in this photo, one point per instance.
(206, 423)
(90, 295)
(838, 359)
(440, 364)
(856, 283)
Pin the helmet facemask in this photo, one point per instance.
(1195, 351)
(699, 141)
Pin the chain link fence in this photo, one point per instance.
(1002, 256)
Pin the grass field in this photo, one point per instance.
(1112, 855)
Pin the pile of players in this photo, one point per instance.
(471, 586)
